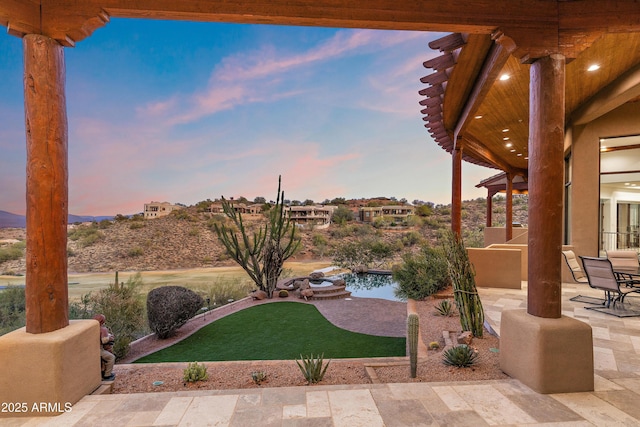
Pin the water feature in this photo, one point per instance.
(371, 285)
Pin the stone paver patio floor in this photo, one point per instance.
(481, 403)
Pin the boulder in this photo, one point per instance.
(306, 293)
(170, 307)
(339, 282)
(301, 284)
(316, 275)
(465, 338)
(258, 294)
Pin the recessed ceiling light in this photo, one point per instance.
(626, 183)
(478, 117)
(593, 67)
(513, 150)
(508, 144)
(505, 130)
(506, 138)
(519, 154)
(505, 77)
(633, 185)
(526, 158)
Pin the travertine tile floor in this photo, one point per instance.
(615, 402)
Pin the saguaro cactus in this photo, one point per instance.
(413, 328)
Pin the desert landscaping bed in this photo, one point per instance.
(140, 378)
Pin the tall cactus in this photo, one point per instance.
(413, 328)
(263, 254)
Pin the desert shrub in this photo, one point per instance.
(182, 214)
(319, 239)
(123, 307)
(258, 376)
(342, 231)
(135, 252)
(195, 372)
(86, 235)
(170, 307)
(312, 368)
(11, 253)
(411, 238)
(461, 356)
(342, 215)
(220, 291)
(12, 309)
(104, 224)
(421, 274)
(369, 252)
(136, 225)
(283, 293)
(194, 232)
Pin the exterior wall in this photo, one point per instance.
(158, 209)
(495, 235)
(585, 182)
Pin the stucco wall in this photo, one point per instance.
(585, 181)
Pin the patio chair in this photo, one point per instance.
(601, 276)
(625, 260)
(574, 267)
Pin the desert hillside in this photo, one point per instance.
(185, 239)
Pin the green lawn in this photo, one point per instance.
(275, 331)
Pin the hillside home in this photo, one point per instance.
(399, 213)
(159, 209)
(305, 216)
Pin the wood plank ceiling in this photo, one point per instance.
(496, 133)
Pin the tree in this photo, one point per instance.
(342, 215)
(263, 254)
(308, 202)
(363, 253)
(260, 200)
(339, 201)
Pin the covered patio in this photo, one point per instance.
(535, 39)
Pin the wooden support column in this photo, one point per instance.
(546, 167)
(47, 307)
(509, 209)
(456, 190)
(489, 208)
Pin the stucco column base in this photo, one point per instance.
(44, 374)
(547, 355)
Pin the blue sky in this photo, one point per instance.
(182, 112)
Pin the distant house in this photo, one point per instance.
(399, 213)
(305, 216)
(158, 209)
(253, 209)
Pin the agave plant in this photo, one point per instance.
(312, 368)
(444, 308)
(461, 356)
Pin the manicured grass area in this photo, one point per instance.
(276, 331)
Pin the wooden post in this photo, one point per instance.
(456, 190)
(47, 298)
(509, 209)
(489, 208)
(546, 168)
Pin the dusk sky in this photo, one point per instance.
(182, 112)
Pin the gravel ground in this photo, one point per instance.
(140, 378)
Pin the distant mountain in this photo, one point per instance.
(10, 220)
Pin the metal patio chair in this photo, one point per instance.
(601, 276)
